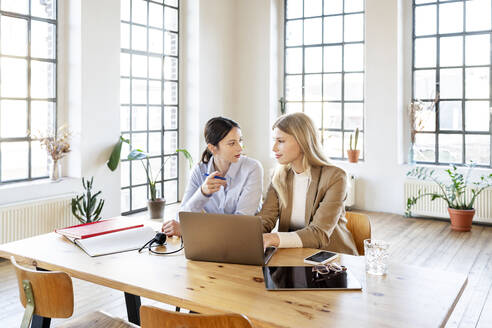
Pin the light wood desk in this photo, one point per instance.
(406, 297)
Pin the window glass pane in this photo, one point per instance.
(333, 7)
(125, 10)
(171, 191)
(155, 118)
(332, 144)
(293, 60)
(155, 92)
(155, 15)
(477, 49)
(170, 43)
(354, 57)
(425, 20)
(294, 8)
(155, 67)
(424, 84)
(451, 52)
(171, 168)
(139, 38)
(477, 82)
(124, 64)
(477, 115)
(125, 35)
(43, 40)
(155, 147)
(313, 110)
(477, 15)
(14, 36)
(42, 79)
(478, 149)
(125, 118)
(138, 174)
(332, 87)
(13, 118)
(139, 197)
(451, 83)
(173, 3)
(293, 87)
(125, 174)
(312, 31)
(125, 150)
(170, 117)
(139, 118)
(293, 36)
(139, 141)
(170, 19)
(16, 6)
(139, 12)
(139, 91)
(354, 115)
(332, 115)
(313, 8)
(333, 29)
(170, 93)
(139, 66)
(425, 52)
(15, 72)
(42, 116)
(425, 147)
(155, 41)
(39, 160)
(332, 59)
(450, 115)
(170, 142)
(354, 27)
(428, 118)
(451, 17)
(170, 68)
(124, 91)
(450, 148)
(354, 86)
(314, 60)
(14, 166)
(354, 5)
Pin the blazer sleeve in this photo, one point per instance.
(270, 210)
(326, 217)
(250, 197)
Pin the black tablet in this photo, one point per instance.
(308, 278)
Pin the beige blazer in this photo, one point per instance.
(326, 225)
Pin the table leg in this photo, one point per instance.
(133, 308)
(37, 321)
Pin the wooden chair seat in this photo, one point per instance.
(97, 319)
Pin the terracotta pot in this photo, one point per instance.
(461, 220)
(156, 208)
(353, 155)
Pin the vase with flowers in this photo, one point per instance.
(57, 146)
(419, 115)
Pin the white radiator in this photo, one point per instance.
(27, 219)
(438, 207)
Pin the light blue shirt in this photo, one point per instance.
(242, 194)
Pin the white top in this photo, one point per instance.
(298, 217)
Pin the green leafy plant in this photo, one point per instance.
(114, 158)
(138, 154)
(452, 190)
(356, 139)
(86, 207)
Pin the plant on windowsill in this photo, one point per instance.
(353, 153)
(453, 192)
(155, 204)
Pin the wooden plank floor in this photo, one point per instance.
(420, 242)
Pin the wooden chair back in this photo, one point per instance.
(152, 317)
(52, 291)
(360, 227)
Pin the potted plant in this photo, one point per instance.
(155, 204)
(86, 207)
(353, 153)
(453, 192)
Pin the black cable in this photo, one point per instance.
(165, 253)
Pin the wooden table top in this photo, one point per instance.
(406, 297)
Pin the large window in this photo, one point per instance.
(27, 86)
(452, 58)
(324, 68)
(149, 97)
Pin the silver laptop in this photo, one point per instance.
(223, 238)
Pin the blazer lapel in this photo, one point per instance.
(286, 214)
(312, 192)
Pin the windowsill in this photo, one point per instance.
(32, 190)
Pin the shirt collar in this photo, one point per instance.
(233, 169)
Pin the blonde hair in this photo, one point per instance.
(302, 128)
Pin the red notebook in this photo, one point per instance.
(102, 227)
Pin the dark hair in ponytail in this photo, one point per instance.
(215, 130)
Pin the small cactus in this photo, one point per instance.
(355, 140)
(85, 207)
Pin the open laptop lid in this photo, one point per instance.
(222, 238)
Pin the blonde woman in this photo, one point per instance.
(306, 194)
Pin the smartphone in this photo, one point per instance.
(321, 257)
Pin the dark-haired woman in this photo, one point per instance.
(225, 181)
